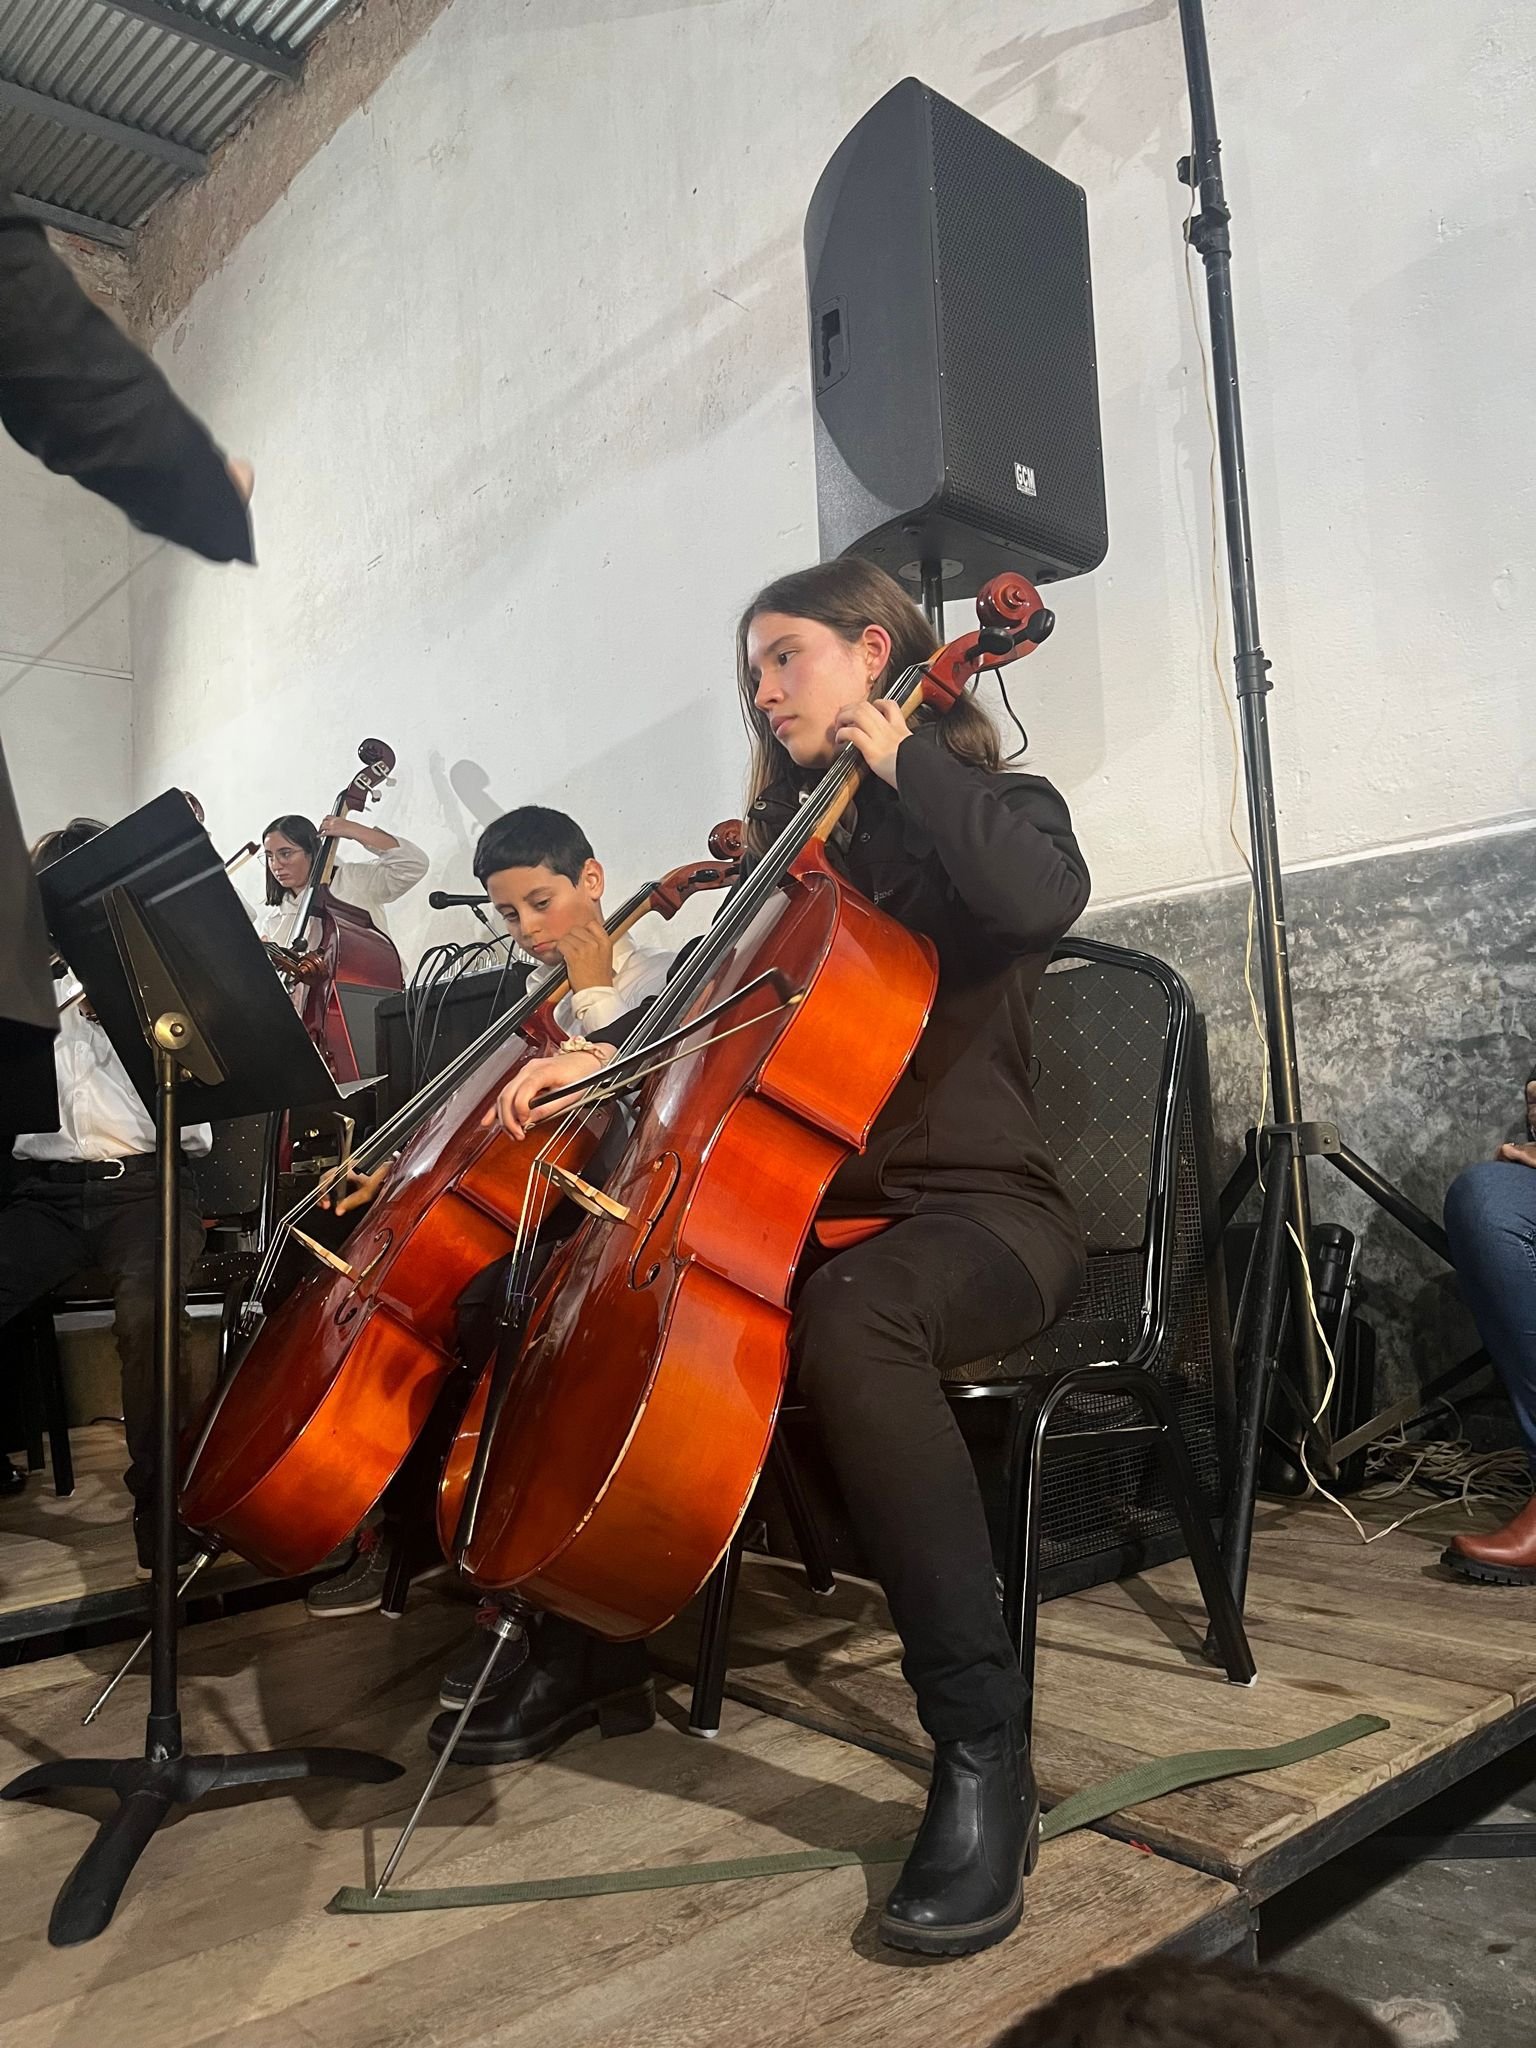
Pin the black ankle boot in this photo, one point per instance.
(570, 1681)
(12, 1478)
(962, 1885)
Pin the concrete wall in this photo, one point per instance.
(520, 360)
(68, 726)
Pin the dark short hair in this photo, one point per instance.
(54, 845)
(533, 836)
(304, 833)
(1169, 2002)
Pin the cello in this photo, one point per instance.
(330, 1391)
(335, 949)
(603, 1469)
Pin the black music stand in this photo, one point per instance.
(150, 923)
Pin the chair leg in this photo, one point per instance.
(802, 1522)
(1021, 1578)
(1179, 1476)
(714, 1638)
(399, 1570)
(31, 1387)
(55, 1410)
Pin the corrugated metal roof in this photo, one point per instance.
(119, 74)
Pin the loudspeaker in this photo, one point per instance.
(952, 358)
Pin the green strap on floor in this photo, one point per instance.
(1196, 1767)
(1094, 1802)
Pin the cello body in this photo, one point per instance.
(335, 1385)
(339, 1380)
(355, 955)
(638, 1417)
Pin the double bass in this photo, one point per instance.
(605, 1466)
(334, 948)
(330, 1390)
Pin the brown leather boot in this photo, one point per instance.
(1503, 1557)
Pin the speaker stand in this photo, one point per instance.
(1277, 1287)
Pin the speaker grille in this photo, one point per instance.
(1015, 343)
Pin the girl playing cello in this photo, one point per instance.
(969, 1246)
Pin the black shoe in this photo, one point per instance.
(12, 1478)
(962, 1885)
(569, 1681)
(459, 1680)
(188, 1546)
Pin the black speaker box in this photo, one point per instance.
(952, 358)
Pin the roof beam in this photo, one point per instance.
(72, 223)
(213, 35)
(23, 100)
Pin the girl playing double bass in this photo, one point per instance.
(291, 843)
(979, 1252)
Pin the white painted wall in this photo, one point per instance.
(521, 363)
(68, 726)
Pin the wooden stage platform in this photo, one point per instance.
(70, 1564)
(222, 1936)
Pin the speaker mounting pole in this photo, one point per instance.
(932, 574)
(1275, 1293)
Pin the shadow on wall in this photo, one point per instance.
(616, 797)
(1028, 60)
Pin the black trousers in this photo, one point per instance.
(52, 1230)
(873, 1329)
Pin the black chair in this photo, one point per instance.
(1130, 1371)
(233, 1186)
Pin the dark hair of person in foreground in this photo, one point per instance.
(1166, 2002)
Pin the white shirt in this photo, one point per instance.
(366, 884)
(638, 973)
(100, 1114)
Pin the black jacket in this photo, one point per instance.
(82, 398)
(985, 865)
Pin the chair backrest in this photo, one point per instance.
(1116, 1046)
(229, 1180)
(1113, 1030)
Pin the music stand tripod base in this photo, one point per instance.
(147, 1788)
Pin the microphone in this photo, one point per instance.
(441, 900)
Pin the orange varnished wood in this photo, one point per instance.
(338, 1381)
(639, 1415)
(634, 1425)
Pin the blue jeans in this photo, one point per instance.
(1490, 1218)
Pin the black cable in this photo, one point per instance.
(1023, 746)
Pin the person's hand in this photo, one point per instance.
(1517, 1155)
(242, 476)
(338, 828)
(878, 730)
(521, 1104)
(587, 952)
(360, 1188)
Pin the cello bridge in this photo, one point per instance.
(582, 1193)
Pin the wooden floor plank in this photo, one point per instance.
(57, 1554)
(222, 1937)
(1338, 1628)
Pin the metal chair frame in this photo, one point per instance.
(1036, 1400)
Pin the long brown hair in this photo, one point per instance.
(846, 595)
